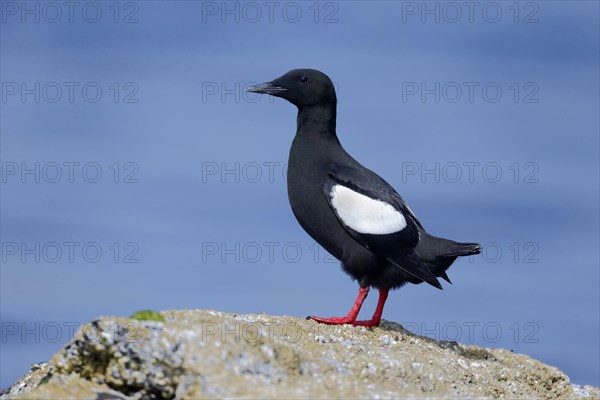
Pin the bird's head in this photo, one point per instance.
(301, 87)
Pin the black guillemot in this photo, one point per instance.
(348, 209)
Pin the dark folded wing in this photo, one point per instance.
(375, 215)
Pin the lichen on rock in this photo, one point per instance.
(209, 354)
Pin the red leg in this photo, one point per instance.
(352, 314)
(376, 319)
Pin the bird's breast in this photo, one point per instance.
(305, 185)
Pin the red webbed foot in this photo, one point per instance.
(353, 314)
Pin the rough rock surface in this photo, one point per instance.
(208, 354)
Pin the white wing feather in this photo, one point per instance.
(364, 214)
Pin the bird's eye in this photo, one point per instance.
(304, 80)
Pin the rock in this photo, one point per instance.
(209, 354)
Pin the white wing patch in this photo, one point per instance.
(364, 214)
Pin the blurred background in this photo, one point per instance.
(138, 174)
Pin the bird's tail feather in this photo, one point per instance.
(438, 253)
(462, 249)
(413, 265)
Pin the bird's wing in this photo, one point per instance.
(375, 215)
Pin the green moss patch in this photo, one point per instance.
(147, 315)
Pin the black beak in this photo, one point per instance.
(267, 88)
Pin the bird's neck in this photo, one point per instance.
(317, 122)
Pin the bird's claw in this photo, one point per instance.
(367, 323)
(333, 320)
(345, 321)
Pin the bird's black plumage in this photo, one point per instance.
(348, 209)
